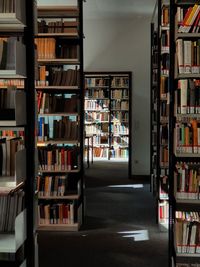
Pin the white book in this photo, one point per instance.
(180, 55)
(187, 56)
(183, 87)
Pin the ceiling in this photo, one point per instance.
(110, 8)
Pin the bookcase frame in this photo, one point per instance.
(22, 249)
(174, 204)
(158, 171)
(109, 75)
(62, 12)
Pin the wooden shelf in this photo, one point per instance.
(58, 227)
(57, 87)
(61, 34)
(57, 11)
(54, 142)
(70, 197)
(65, 171)
(59, 61)
(58, 114)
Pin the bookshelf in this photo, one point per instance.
(184, 162)
(160, 111)
(108, 114)
(18, 240)
(59, 89)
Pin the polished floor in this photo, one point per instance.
(120, 229)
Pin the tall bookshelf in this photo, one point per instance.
(60, 118)
(108, 114)
(184, 138)
(160, 110)
(17, 141)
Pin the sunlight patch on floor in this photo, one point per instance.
(138, 235)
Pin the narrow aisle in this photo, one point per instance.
(119, 230)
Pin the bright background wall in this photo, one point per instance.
(121, 44)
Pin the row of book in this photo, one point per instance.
(100, 152)
(8, 149)
(163, 211)
(187, 181)
(187, 97)
(165, 16)
(117, 128)
(187, 137)
(120, 116)
(56, 103)
(118, 94)
(54, 158)
(57, 76)
(164, 85)
(119, 104)
(119, 153)
(164, 134)
(92, 116)
(188, 53)
(165, 41)
(100, 140)
(119, 141)
(57, 129)
(7, 6)
(12, 82)
(50, 48)
(53, 185)
(7, 98)
(116, 82)
(60, 213)
(11, 204)
(96, 93)
(66, 26)
(11, 133)
(98, 104)
(164, 109)
(187, 227)
(8, 50)
(97, 128)
(165, 64)
(164, 156)
(95, 82)
(122, 82)
(188, 19)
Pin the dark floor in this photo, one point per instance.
(119, 229)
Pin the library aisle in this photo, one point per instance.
(119, 229)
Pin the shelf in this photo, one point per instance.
(57, 87)
(58, 11)
(188, 201)
(192, 255)
(60, 197)
(98, 87)
(63, 35)
(58, 114)
(10, 243)
(187, 155)
(59, 61)
(54, 142)
(65, 171)
(187, 76)
(58, 227)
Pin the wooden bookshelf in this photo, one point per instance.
(17, 174)
(184, 155)
(66, 110)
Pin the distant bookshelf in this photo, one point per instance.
(107, 114)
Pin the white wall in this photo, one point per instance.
(119, 44)
(124, 45)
